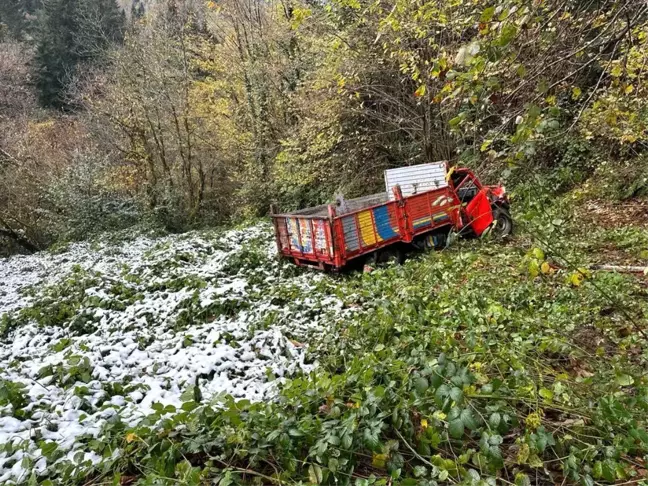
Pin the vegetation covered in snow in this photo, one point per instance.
(201, 359)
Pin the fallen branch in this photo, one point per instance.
(620, 268)
(22, 241)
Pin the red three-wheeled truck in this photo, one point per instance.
(422, 206)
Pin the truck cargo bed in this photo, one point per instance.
(331, 235)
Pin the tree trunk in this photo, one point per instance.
(21, 240)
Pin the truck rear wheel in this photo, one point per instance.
(502, 223)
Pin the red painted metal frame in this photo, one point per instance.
(336, 255)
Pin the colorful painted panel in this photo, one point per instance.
(442, 217)
(350, 233)
(293, 231)
(422, 222)
(386, 222)
(320, 235)
(365, 224)
(299, 229)
(306, 235)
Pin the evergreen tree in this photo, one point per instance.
(137, 10)
(55, 54)
(15, 16)
(71, 32)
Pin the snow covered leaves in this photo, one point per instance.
(103, 334)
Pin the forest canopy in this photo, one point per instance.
(184, 113)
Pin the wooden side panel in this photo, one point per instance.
(424, 212)
(282, 231)
(419, 212)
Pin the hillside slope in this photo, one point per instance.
(198, 358)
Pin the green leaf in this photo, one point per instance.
(534, 268)
(441, 394)
(509, 31)
(522, 479)
(487, 14)
(421, 384)
(495, 420)
(315, 474)
(455, 121)
(538, 253)
(371, 439)
(468, 419)
(609, 470)
(624, 380)
(456, 428)
(457, 394)
(545, 392)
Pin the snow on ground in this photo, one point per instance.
(104, 330)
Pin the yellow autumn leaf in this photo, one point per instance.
(545, 268)
(379, 460)
(533, 420)
(629, 89)
(420, 91)
(534, 269)
(130, 437)
(439, 415)
(576, 279)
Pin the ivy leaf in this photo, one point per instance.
(315, 474)
(441, 394)
(456, 428)
(495, 420)
(468, 419)
(371, 439)
(587, 480)
(421, 384)
(609, 470)
(457, 394)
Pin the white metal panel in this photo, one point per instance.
(416, 178)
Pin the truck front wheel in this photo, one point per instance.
(502, 222)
